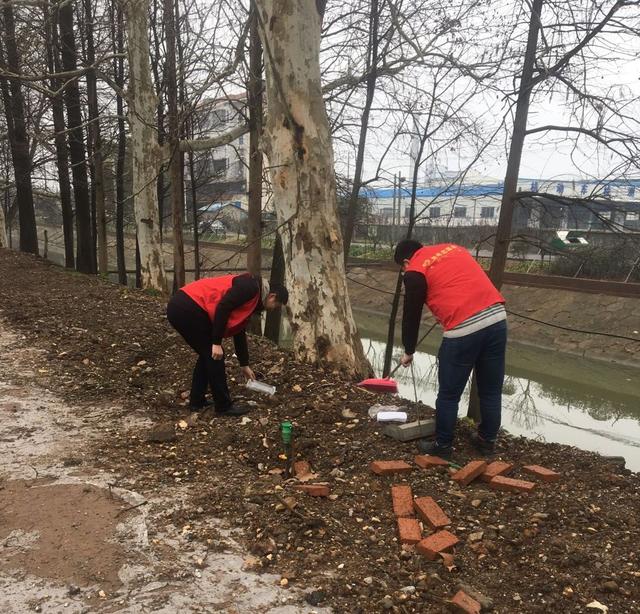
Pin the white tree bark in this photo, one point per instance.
(145, 151)
(298, 146)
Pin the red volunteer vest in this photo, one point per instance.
(457, 286)
(207, 293)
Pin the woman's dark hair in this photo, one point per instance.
(282, 294)
(405, 250)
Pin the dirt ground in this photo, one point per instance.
(107, 353)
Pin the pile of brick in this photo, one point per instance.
(413, 515)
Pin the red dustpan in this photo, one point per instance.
(379, 384)
(387, 384)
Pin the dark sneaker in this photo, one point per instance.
(197, 406)
(433, 448)
(234, 410)
(484, 447)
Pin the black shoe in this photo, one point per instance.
(200, 405)
(484, 447)
(433, 448)
(233, 410)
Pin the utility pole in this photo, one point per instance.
(393, 210)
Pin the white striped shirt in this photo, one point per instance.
(482, 319)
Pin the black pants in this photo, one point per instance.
(194, 324)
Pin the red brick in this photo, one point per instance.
(431, 512)
(511, 485)
(409, 530)
(494, 469)
(315, 490)
(426, 461)
(461, 602)
(435, 543)
(546, 475)
(390, 467)
(470, 472)
(301, 468)
(402, 498)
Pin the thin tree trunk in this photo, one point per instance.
(386, 369)
(304, 188)
(144, 146)
(194, 211)
(254, 221)
(372, 64)
(159, 82)
(95, 136)
(84, 257)
(175, 160)
(117, 21)
(3, 229)
(60, 138)
(138, 265)
(18, 140)
(274, 318)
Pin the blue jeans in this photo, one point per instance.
(457, 357)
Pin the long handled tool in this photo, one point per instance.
(387, 384)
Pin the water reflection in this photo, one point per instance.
(543, 407)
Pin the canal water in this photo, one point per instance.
(547, 395)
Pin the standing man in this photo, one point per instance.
(467, 305)
(206, 311)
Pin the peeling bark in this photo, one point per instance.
(145, 151)
(298, 145)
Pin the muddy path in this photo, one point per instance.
(72, 540)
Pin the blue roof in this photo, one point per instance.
(488, 189)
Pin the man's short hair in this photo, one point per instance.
(282, 294)
(405, 250)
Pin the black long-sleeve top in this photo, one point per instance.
(243, 289)
(415, 294)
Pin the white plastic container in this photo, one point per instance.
(261, 387)
(392, 416)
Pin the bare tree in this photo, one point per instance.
(60, 138)
(95, 139)
(176, 161)
(300, 153)
(144, 146)
(17, 132)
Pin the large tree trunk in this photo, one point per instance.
(175, 155)
(84, 256)
(19, 142)
(96, 146)
(145, 152)
(300, 154)
(60, 138)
